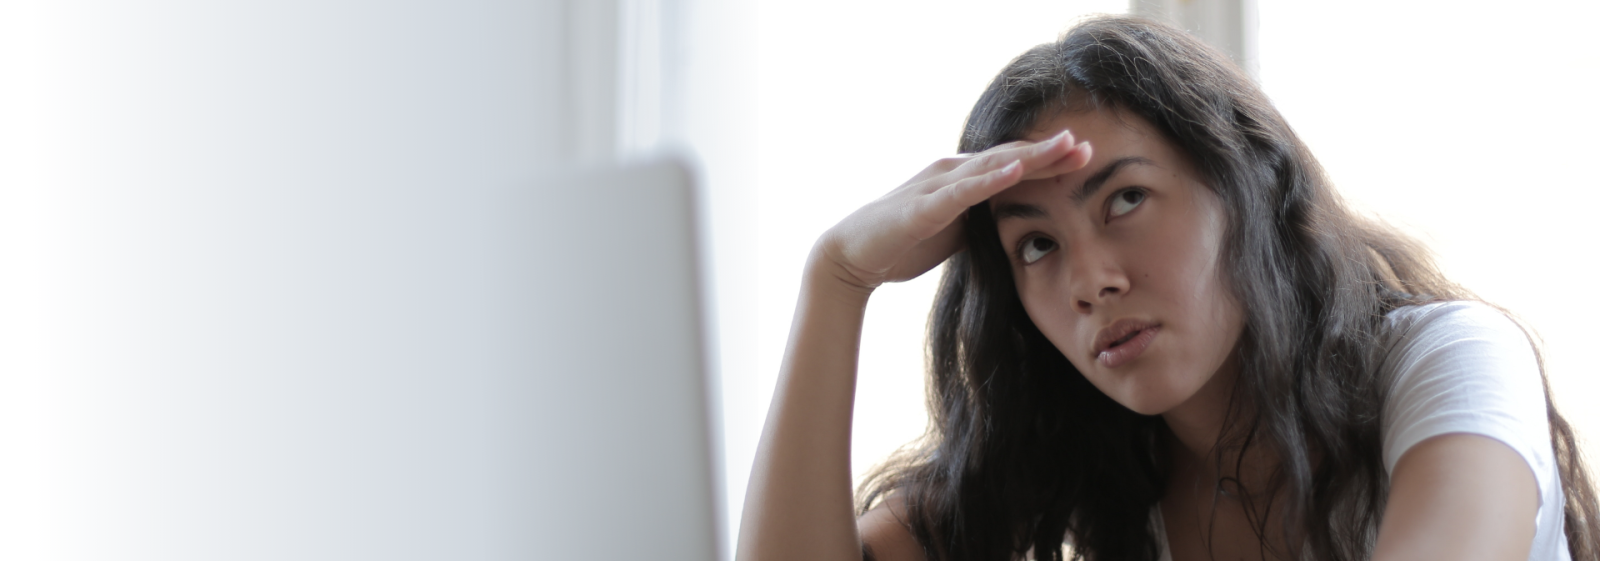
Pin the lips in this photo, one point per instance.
(1123, 341)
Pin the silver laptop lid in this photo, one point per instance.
(605, 409)
(448, 368)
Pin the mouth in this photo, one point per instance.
(1123, 341)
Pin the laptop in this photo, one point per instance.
(603, 413)
(443, 367)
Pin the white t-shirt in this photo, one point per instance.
(1463, 367)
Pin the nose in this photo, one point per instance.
(1097, 278)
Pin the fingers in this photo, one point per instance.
(933, 212)
(1048, 158)
(1057, 156)
(1032, 155)
(941, 199)
(1073, 161)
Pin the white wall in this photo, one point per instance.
(224, 232)
(711, 116)
(213, 216)
(1472, 126)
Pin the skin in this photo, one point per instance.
(1151, 257)
(1145, 245)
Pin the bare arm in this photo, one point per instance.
(799, 505)
(1459, 496)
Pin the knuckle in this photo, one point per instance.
(926, 204)
(949, 163)
(984, 161)
(913, 213)
(954, 195)
(1008, 145)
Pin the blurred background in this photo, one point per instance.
(177, 176)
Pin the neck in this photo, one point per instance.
(1198, 426)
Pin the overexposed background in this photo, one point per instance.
(1469, 125)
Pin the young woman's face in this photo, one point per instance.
(1119, 265)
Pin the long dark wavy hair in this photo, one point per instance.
(1024, 454)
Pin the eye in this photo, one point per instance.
(1125, 201)
(1035, 248)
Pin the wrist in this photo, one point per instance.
(824, 274)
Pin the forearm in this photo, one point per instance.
(799, 503)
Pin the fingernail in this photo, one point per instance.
(1010, 167)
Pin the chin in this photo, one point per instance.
(1151, 400)
(1149, 407)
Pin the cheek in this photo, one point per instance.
(1049, 311)
(1197, 290)
(1195, 283)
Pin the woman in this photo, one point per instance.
(1161, 335)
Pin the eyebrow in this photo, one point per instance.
(1098, 180)
(1082, 193)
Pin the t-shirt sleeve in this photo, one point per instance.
(1463, 367)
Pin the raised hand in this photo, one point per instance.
(918, 225)
(798, 506)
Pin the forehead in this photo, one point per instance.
(1112, 135)
(1109, 123)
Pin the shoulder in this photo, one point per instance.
(1439, 323)
(1434, 346)
(1460, 367)
(885, 535)
(1463, 367)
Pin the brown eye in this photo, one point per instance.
(1124, 202)
(1035, 248)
